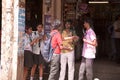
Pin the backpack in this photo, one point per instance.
(48, 50)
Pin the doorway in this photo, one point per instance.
(103, 16)
(33, 13)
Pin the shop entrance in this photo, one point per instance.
(104, 16)
(33, 13)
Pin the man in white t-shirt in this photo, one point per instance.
(37, 57)
(88, 52)
(116, 27)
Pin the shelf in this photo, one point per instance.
(69, 9)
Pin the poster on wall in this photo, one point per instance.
(21, 27)
(82, 8)
(21, 19)
(47, 23)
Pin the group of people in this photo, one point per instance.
(63, 44)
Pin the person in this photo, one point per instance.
(116, 28)
(38, 59)
(88, 52)
(28, 54)
(67, 56)
(57, 45)
(112, 55)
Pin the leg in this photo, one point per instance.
(89, 69)
(82, 69)
(54, 67)
(40, 71)
(33, 70)
(71, 65)
(25, 73)
(63, 61)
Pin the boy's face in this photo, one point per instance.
(30, 30)
(86, 25)
(39, 28)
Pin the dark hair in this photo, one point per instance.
(40, 24)
(117, 17)
(89, 20)
(27, 27)
(68, 21)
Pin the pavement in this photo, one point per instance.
(104, 69)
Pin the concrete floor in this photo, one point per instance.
(103, 70)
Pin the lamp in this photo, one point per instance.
(98, 2)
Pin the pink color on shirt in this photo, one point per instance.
(89, 50)
(56, 41)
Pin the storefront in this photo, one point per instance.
(32, 12)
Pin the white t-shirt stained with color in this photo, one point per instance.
(89, 50)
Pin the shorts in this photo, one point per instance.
(28, 58)
(38, 59)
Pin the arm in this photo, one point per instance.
(93, 43)
(59, 39)
(93, 40)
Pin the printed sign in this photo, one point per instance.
(47, 24)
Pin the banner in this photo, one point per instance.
(47, 23)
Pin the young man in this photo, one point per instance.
(28, 54)
(67, 56)
(88, 52)
(37, 57)
(57, 45)
(116, 28)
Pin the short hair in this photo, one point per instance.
(89, 20)
(27, 27)
(117, 17)
(39, 25)
(56, 24)
(68, 21)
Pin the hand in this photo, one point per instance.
(70, 49)
(75, 37)
(84, 40)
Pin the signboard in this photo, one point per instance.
(47, 23)
(21, 19)
(21, 27)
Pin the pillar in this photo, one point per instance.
(54, 11)
(13, 23)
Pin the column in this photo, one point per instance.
(13, 23)
(58, 9)
(54, 11)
